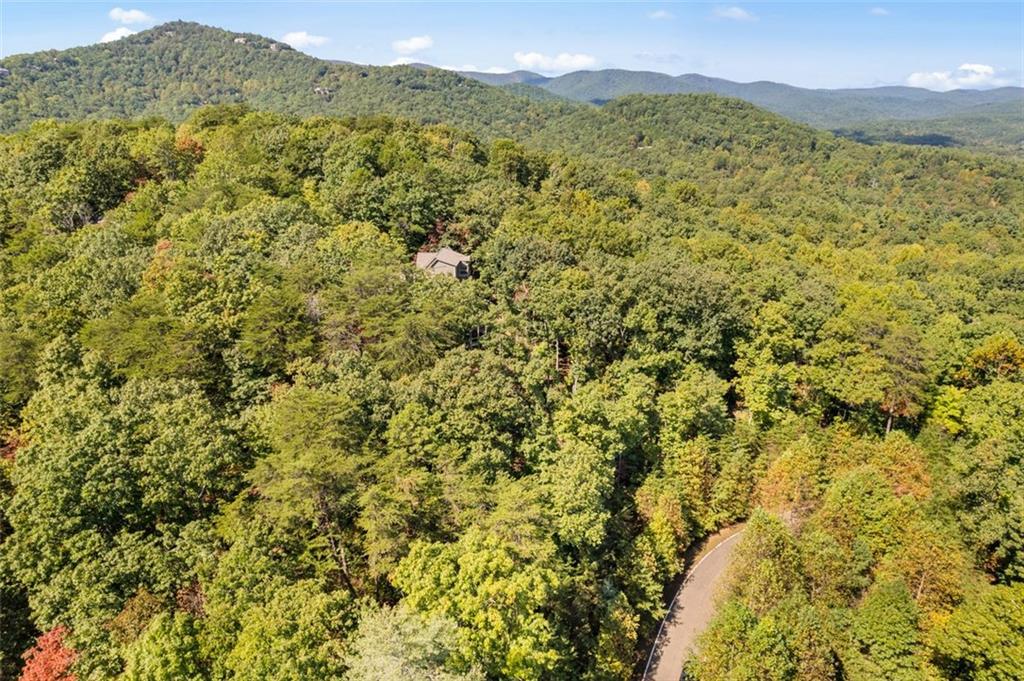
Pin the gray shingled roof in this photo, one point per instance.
(448, 256)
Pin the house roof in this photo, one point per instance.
(448, 256)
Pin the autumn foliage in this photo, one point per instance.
(49, 659)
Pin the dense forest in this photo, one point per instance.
(171, 69)
(822, 108)
(244, 437)
(996, 128)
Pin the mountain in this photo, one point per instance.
(856, 108)
(510, 78)
(244, 437)
(992, 126)
(171, 69)
(820, 107)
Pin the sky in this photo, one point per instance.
(937, 45)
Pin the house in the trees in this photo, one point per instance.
(445, 261)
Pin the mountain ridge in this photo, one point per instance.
(815, 106)
(173, 68)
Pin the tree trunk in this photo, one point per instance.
(326, 529)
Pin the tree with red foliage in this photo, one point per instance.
(49, 659)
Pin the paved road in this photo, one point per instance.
(691, 610)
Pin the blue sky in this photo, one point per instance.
(940, 45)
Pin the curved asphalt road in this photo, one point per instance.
(690, 612)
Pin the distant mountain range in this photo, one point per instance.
(821, 108)
(171, 69)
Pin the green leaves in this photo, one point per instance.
(297, 635)
(497, 599)
(983, 639)
(249, 439)
(768, 364)
(695, 406)
(871, 357)
(885, 635)
(141, 338)
(167, 650)
(105, 488)
(767, 567)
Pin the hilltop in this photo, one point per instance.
(727, 147)
(171, 69)
(818, 107)
(863, 113)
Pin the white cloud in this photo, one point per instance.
(117, 34)
(563, 61)
(413, 44)
(661, 15)
(968, 75)
(300, 39)
(130, 16)
(978, 70)
(734, 13)
(402, 61)
(879, 11)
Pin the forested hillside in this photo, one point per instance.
(169, 70)
(995, 127)
(244, 438)
(990, 119)
(820, 107)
